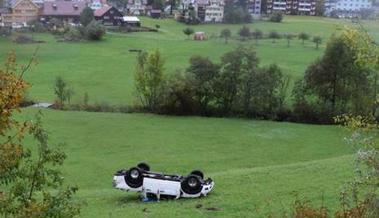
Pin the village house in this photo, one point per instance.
(136, 7)
(68, 11)
(109, 15)
(19, 13)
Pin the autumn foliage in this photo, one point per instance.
(30, 182)
(12, 90)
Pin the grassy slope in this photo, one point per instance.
(105, 69)
(253, 162)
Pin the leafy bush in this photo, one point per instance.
(94, 31)
(36, 26)
(73, 35)
(25, 39)
(276, 17)
(87, 16)
(5, 31)
(236, 15)
(188, 32)
(244, 32)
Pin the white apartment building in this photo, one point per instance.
(255, 8)
(348, 5)
(136, 7)
(214, 11)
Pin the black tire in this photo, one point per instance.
(191, 185)
(144, 166)
(134, 177)
(198, 173)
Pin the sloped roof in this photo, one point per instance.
(63, 8)
(14, 3)
(101, 11)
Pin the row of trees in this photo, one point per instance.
(246, 34)
(236, 85)
(332, 85)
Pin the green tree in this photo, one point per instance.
(188, 32)
(276, 17)
(94, 30)
(339, 84)
(149, 78)
(288, 37)
(244, 33)
(226, 34)
(62, 91)
(317, 40)
(257, 34)
(270, 90)
(86, 17)
(320, 8)
(229, 79)
(303, 36)
(201, 75)
(274, 36)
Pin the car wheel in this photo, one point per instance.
(144, 166)
(134, 177)
(198, 173)
(191, 185)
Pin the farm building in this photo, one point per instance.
(68, 11)
(19, 13)
(200, 36)
(109, 15)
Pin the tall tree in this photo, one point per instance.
(149, 78)
(338, 81)
(257, 34)
(201, 75)
(244, 32)
(86, 16)
(226, 34)
(274, 36)
(303, 36)
(288, 37)
(229, 78)
(317, 40)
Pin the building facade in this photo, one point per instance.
(136, 7)
(214, 11)
(19, 13)
(68, 11)
(347, 6)
(109, 16)
(255, 8)
(292, 7)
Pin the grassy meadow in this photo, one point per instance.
(258, 166)
(105, 69)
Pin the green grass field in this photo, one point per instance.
(105, 69)
(257, 165)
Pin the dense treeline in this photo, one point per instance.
(334, 84)
(235, 86)
(238, 86)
